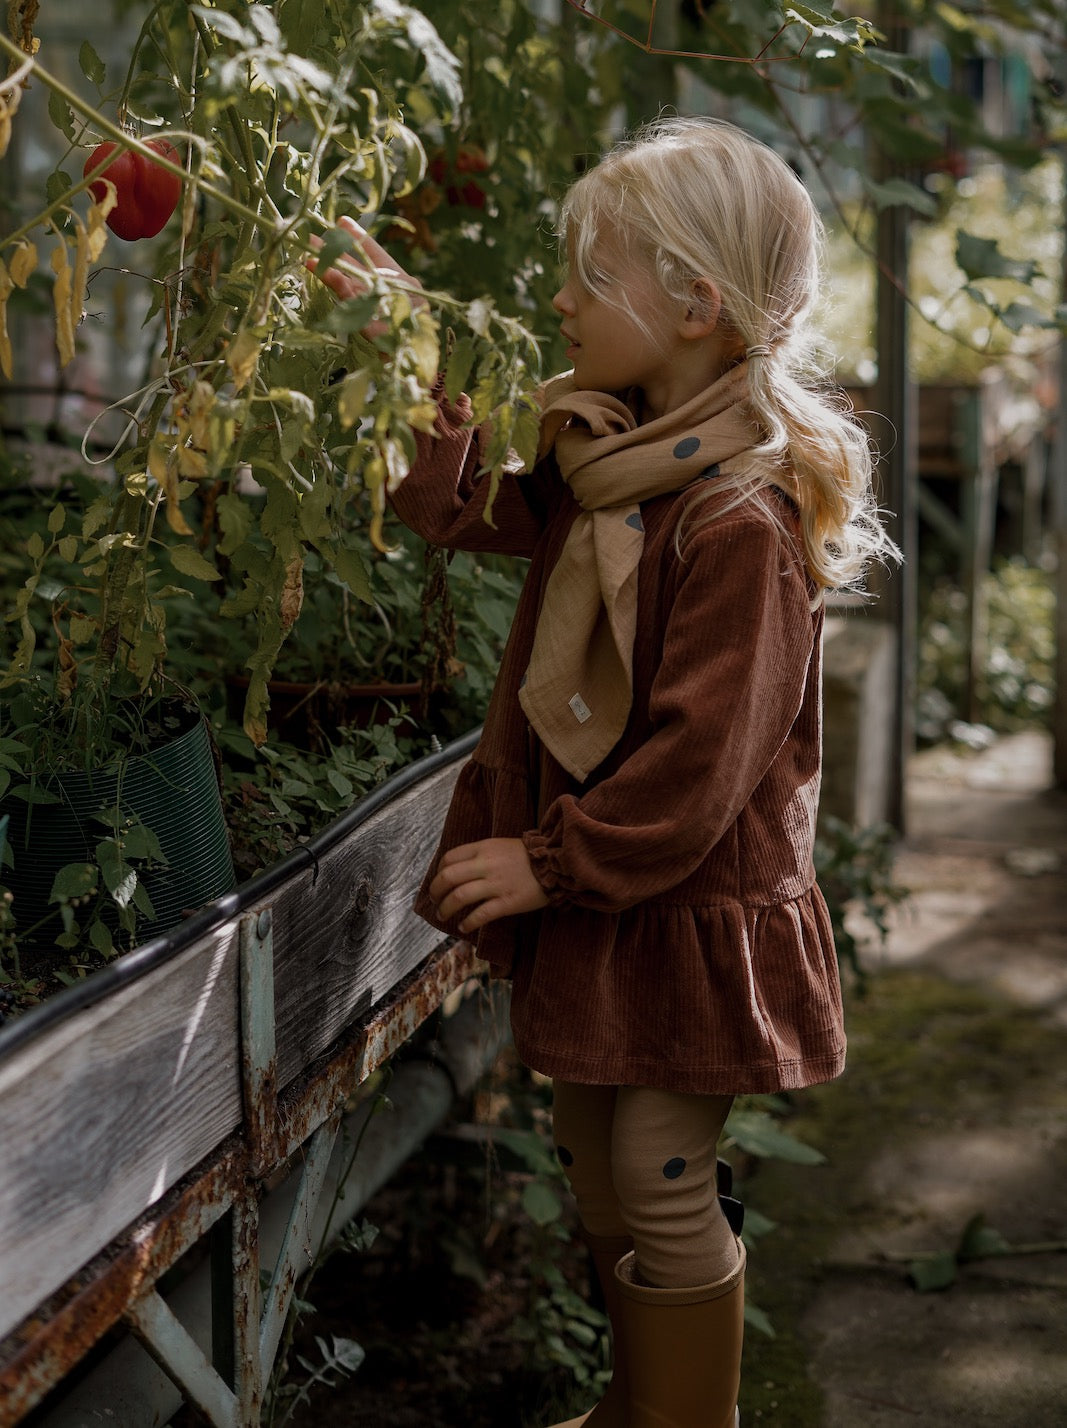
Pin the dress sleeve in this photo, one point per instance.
(443, 498)
(736, 655)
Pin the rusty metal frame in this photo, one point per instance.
(220, 1199)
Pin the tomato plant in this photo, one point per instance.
(146, 194)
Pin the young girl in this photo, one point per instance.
(631, 842)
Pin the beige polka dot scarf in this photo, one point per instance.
(579, 685)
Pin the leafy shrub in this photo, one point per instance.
(1015, 682)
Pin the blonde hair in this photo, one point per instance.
(695, 198)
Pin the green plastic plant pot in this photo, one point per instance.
(173, 790)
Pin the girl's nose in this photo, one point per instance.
(562, 302)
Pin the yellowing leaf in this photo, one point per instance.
(352, 397)
(242, 356)
(200, 400)
(6, 287)
(98, 213)
(425, 348)
(163, 465)
(191, 462)
(81, 274)
(61, 291)
(23, 263)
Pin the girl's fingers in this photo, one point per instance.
(454, 900)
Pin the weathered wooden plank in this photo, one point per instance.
(348, 935)
(103, 1112)
(99, 1116)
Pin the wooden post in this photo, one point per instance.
(1059, 536)
(896, 438)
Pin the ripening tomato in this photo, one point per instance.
(146, 194)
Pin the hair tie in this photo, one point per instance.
(759, 349)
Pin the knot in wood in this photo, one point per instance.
(364, 893)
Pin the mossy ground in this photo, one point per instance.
(927, 1058)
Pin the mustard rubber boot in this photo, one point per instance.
(613, 1409)
(683, 1349)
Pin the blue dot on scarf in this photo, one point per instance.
(635, 521)
(687, 447)
(710, 473)
(674, 1167)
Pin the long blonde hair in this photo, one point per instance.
(699, 198)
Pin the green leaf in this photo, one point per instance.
(92, 66)
(541, 1203)
(979, 1240)
(898, 193)
(189, 561)
(821, 22)
(62, 116)
(56, 519)
(235, 520)
(937, 1272)
(982, 258)
(460, 365)
(759, 1320)
(348, 1354)
(758, 1134)
(336, 244)
(527, 1146)
(338, 781)
(73, 880)
(119, 878)
(100, 937)
(140, 842)
(1018, 315)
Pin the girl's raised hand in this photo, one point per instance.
(348, 278)
(493, 877)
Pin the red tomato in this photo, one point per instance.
(146, 193)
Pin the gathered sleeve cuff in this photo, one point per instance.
(443, 497)
(731, 683)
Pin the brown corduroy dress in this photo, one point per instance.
(685, 946)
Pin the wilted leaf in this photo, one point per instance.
(6, 287)
(61, 297)
(98, 212)
(242, 356)
(80, 275)
(292, 597)
(23, 263)
(352, 397)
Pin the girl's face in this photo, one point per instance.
(622, 334)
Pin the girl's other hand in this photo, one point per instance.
(348, 278)
(493, 877)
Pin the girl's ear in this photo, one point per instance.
(702, 313)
